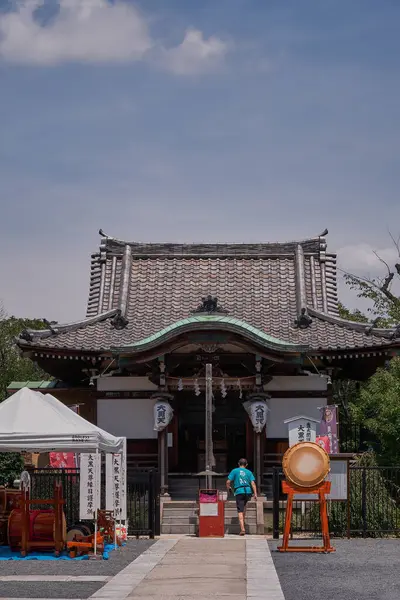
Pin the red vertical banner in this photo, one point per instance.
(329, 427)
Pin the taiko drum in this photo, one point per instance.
(41, 527)
(306, 464)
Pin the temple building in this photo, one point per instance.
(265, 316)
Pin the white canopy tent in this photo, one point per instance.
(34, 422)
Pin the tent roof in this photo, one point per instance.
(36, 422)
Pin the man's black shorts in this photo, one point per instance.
(241, 501)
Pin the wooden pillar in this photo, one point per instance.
(163, 460)
(258, 460)
(208, 426)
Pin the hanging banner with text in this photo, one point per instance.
(89, 488)
(163, 413)
(116, 486)
(329, 427)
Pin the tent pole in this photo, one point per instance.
(114, 507)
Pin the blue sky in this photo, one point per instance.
(214, 120)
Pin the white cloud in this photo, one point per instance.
(195, 54)
(98, 32)
(89, 31)
(361, 260)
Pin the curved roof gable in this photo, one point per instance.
(204, 322)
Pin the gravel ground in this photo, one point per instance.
(48, 590)
(118, 560)
(358, 570)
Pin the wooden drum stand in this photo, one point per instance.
(322, 489)
(306, 466)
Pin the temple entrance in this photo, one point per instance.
(229, 432)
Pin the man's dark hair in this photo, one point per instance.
(242, 462)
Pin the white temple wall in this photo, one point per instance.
(133, 418)
(124, 384)
(285, 408)
(312, 383)
(128, 417)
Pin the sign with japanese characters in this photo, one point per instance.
(115, 485)
(301, 429)
(257, 411)
(163, 413)
(89, 492)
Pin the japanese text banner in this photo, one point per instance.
(89, 492)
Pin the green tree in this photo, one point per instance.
(352, 315)
(13, 367)
(11, 465)
(381, 291)
(378, 409)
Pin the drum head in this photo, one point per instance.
(306, 464)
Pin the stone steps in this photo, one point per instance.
(182, 518)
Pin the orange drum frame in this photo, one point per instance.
(319, 486)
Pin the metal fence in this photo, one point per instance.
(372, 508)
(143, 496)
(143, 503)
(42, 487)
(353, 437)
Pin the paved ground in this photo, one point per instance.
(184, 568)
(188, 568)
(199, 569)
(358, 570)
(118, 560)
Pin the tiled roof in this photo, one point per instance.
(33, 385)
(138, 290)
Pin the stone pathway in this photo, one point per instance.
(194, 569)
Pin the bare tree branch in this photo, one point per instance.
(395, 242)
(383, 288)
(384, 262)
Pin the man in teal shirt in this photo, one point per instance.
(243, 482)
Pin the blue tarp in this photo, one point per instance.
(7, 554)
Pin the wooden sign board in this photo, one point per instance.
(338, 477)
(301, 429)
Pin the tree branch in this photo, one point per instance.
(383, 289)
(395, 242)
(384, 262)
